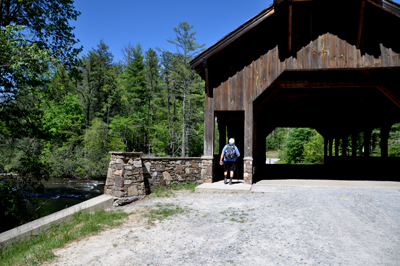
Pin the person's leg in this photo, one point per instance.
(232, 170)
(225, 173)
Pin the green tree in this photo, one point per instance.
(313, 152)
(294, 148)
(134, 97)
(185, 80)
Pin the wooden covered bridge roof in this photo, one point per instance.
(360, 27)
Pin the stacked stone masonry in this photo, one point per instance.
(248, 170)
(171, 170)
(125, 175)
(130, 174)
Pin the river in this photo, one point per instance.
(60, 194)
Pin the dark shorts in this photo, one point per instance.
(229, 166)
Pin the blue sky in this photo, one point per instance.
(151, 22)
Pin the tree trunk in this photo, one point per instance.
(184, 124)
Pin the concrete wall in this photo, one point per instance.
(35, 227)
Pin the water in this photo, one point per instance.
(60, 194)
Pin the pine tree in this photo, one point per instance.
(184, 78)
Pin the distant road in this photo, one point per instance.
(271, 160)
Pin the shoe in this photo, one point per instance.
(225, 182)
(230, 182)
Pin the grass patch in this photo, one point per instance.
(235, 216)
(162, 212)
(37, 250)
(163, 191)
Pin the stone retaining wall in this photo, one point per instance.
(130, 174)
(169, 170)
(125, 175)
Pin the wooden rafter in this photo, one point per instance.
(290, 28)
(390, 95)
(360, 24)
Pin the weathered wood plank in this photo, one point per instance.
(351, 52)
(377, 62)
(299, 62)
(316, 54)
(209, 126)
(256, 77)
(273, 58)
(349, 56)
(225, 95)
(359, 58)
(324, 51)
(248, 131)
(270, 66)
(368, 60)
(259, 88)
(248, 107)
(232, 92)
(383, 55)
(217, 98)
(342, 60)
(265, 71)
(241, 87)
(332, 51)
(307, 56)
(395, 59)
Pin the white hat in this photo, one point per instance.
(231, 141)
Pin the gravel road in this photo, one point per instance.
(287, 226)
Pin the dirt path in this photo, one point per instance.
(289, 226)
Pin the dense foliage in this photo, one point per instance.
(61, 114)
(306, 146)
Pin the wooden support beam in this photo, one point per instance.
(330, 147)
(290, 27)
(384, 140)
(325, 147)
(209, 122)
(360, 24)
(390, 95)
(208, 90)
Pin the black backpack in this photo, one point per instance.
(230, 152)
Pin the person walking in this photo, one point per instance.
(229, 155)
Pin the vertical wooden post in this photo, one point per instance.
(384, 141)
(367, 140)
(209, 122)
(360, 24)
(337, 146)
(330, 141)
(207, 81)
(290, 28)
(354, 144)
(344, 146)
(325, 147)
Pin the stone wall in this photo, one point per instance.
(169, 170)
(131, 175)
(248, 170)
(125, 175)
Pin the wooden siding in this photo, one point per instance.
(328, 51)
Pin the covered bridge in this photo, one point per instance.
(330, 65)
